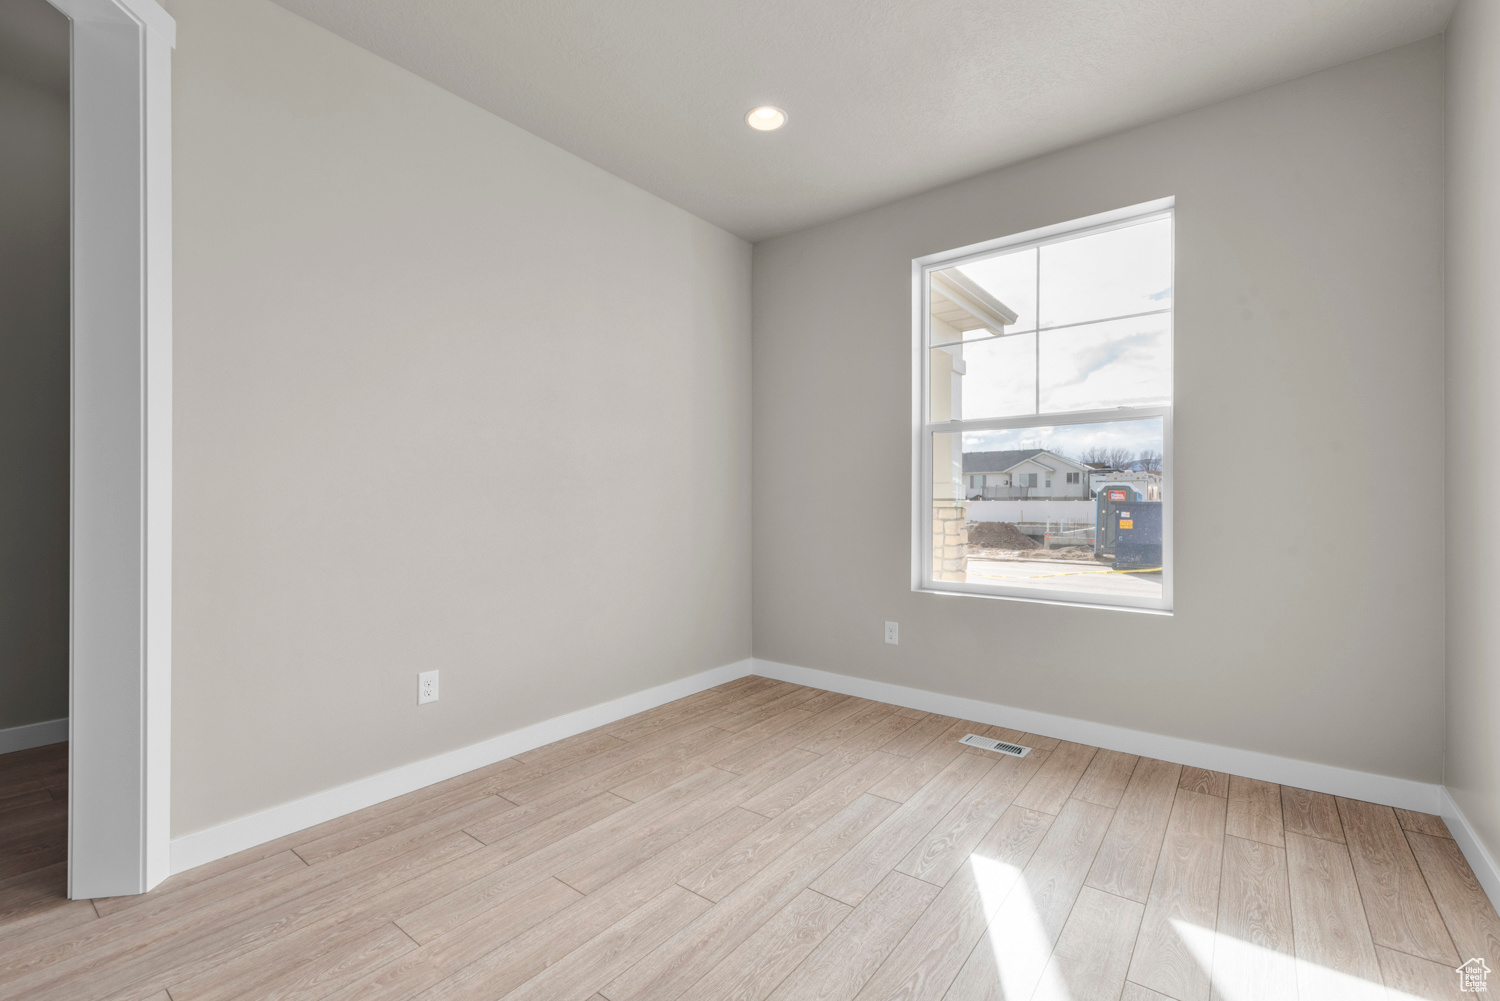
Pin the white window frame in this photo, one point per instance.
(923, 429)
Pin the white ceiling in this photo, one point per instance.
(885, 97)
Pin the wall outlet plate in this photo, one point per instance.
(893, 632)
(427, 687)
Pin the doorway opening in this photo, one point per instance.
(34, 441)
(86, 425)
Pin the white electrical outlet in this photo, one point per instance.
(427, 690)
(892, 632)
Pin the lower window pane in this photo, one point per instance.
(1066, 508)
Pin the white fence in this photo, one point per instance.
(1033, 511)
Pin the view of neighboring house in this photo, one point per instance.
(1039, 474)
(1024, 473)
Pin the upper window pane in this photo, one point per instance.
(1099, 366)
(1104, 301)
(1119, 272)
(1011, 278)
(990, 378)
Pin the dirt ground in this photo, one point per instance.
(1001, 540)
(999, 535)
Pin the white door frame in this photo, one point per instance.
(119, 755)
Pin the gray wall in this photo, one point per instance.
(33, 363)
(1473, 762)
(1309, 347)
(446, 397)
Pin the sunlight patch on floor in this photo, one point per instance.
(1016, 937)
(1021, 948)
(1244, 971)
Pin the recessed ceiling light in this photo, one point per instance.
(766, 118)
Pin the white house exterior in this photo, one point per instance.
(1019, 474)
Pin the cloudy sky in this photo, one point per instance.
(1071, 439)
(1104, 355)
(1114, 273)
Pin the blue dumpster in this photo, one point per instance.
(1138, 535)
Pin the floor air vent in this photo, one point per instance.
(1015, 750)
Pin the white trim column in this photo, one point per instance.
(121, 617)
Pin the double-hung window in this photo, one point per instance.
(1046, 358)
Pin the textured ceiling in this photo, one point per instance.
(885, 97)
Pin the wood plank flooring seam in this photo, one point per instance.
(761, 963)
(1254, 923)
(1321, 880)
(1430, 888)
(516, 873)
(570, 886)
(313, 918)
(669, 971)
(1185, 887)
(698, 895)
(834, 899)
(996, 925)
(1433, 848)
(1405, 953)
(1331, 841)
(1398, 913)
(1423, 823)
(414, 858)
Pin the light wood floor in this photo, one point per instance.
(763, 840)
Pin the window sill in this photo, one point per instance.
(1039, 599)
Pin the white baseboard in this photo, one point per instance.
(1480, 860)
(1405, 793)
(19, 738)
(246, 832)
(204, 846)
